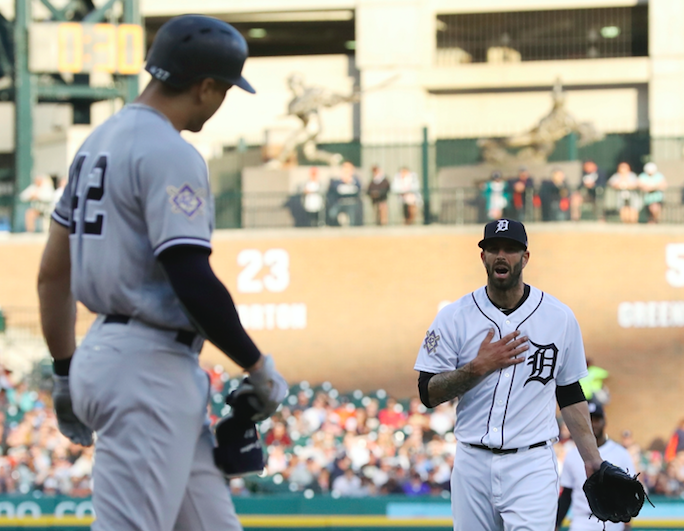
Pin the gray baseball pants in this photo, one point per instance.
(145, 396)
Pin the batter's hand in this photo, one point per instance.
(269, 387)
(500, 354)
(67, 421)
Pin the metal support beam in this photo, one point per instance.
(67, 93)
(425, 151)
(25, 99)
(27, 92)
(99, 14)
(57, 14)
(131, 15)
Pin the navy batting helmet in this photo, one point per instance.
(189, 48)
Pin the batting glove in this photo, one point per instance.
(67, 421)
(269, 387)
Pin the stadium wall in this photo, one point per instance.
(293, 511)
(352, 306)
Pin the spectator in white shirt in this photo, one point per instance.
(39, 195)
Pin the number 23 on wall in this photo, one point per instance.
(276, 262)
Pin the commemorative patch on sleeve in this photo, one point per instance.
(431, 342)
(186, 200)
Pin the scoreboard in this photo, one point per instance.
(83, 48)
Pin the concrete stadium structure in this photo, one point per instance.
(438, 83)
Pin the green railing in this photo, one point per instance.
(448, 206)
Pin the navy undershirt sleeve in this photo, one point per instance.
(567, 395)
(423, 381)
(207, 303)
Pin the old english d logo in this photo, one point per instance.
(543, 363)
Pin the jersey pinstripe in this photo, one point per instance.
(515, 406)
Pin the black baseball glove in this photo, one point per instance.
(613, 494)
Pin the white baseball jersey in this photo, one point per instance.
(574, 475)
(512, 407)
(135, 189)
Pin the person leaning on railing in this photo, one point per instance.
(627, 199)
(652, 183)
(593, 179)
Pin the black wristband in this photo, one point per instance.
(61, 367)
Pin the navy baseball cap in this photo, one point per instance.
(507, 229)
(596, 409)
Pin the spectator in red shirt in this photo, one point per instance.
(278, 434)
(393, 414)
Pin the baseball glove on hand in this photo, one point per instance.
(613, 494)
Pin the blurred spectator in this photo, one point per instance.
(627, 440)
(312, 198)
(378, 191)
(39, 195)
(392, 415)
(348, 484)
(496, 195)
(407, 185)
(625, 183)
(555, 197)
(415, 486)
(675, 446)
(278, 434)
(652, 183)
(348, 441)
(593, 383)
(321, 485)
(521, 187)
(344, 198)
(442, 418)
(59, 191)
(593, 179)
(238, 488)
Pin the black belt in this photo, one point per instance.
(184, 337)
(509, 450)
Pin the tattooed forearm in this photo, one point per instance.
(449, 385)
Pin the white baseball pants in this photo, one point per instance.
(511, 492)
(146, 397)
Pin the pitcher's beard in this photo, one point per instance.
(509, 282)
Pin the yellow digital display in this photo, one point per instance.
(73, 47)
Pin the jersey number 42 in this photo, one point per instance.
(93, 191)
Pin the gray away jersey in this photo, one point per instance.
(135, 189)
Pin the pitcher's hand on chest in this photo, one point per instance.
(496, 355)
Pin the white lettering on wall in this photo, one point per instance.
(674, 258)
(273, 316)
(654, 314)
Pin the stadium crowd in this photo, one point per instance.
(597, 195)
(320, 442)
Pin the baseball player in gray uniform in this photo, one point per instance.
(508, 352)
(130, 239)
